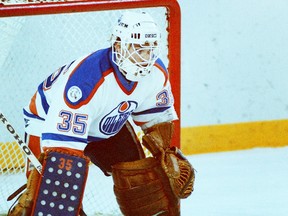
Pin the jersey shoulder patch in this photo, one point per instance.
(86, 78)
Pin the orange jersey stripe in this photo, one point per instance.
(32, 105)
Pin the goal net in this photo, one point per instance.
(35, 41)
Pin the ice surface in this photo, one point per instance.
(240, 183)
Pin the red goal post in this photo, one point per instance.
(33, 8)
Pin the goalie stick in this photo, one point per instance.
(21, 143)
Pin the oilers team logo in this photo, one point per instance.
(114, 120)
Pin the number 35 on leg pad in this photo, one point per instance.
(59, 189)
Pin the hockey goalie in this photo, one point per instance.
(80, 114)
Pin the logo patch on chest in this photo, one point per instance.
(113, 121)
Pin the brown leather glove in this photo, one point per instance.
(26, 199)
(180, 172)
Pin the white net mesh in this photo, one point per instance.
(33, 47)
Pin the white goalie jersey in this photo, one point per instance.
(90, 100)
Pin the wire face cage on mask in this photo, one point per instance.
(137, 39)
(135, 61)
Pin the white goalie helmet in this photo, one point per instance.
(135, 45)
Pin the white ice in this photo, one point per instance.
(240, 183)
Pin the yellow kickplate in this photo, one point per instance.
(238, 136)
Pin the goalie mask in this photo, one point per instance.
(135, 45)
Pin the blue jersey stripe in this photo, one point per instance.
(44, 102)
(30, 115)
(151, 111)
(60, 137)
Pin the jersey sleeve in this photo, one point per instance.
(58, 123)
(158, 106)
(36, 111)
